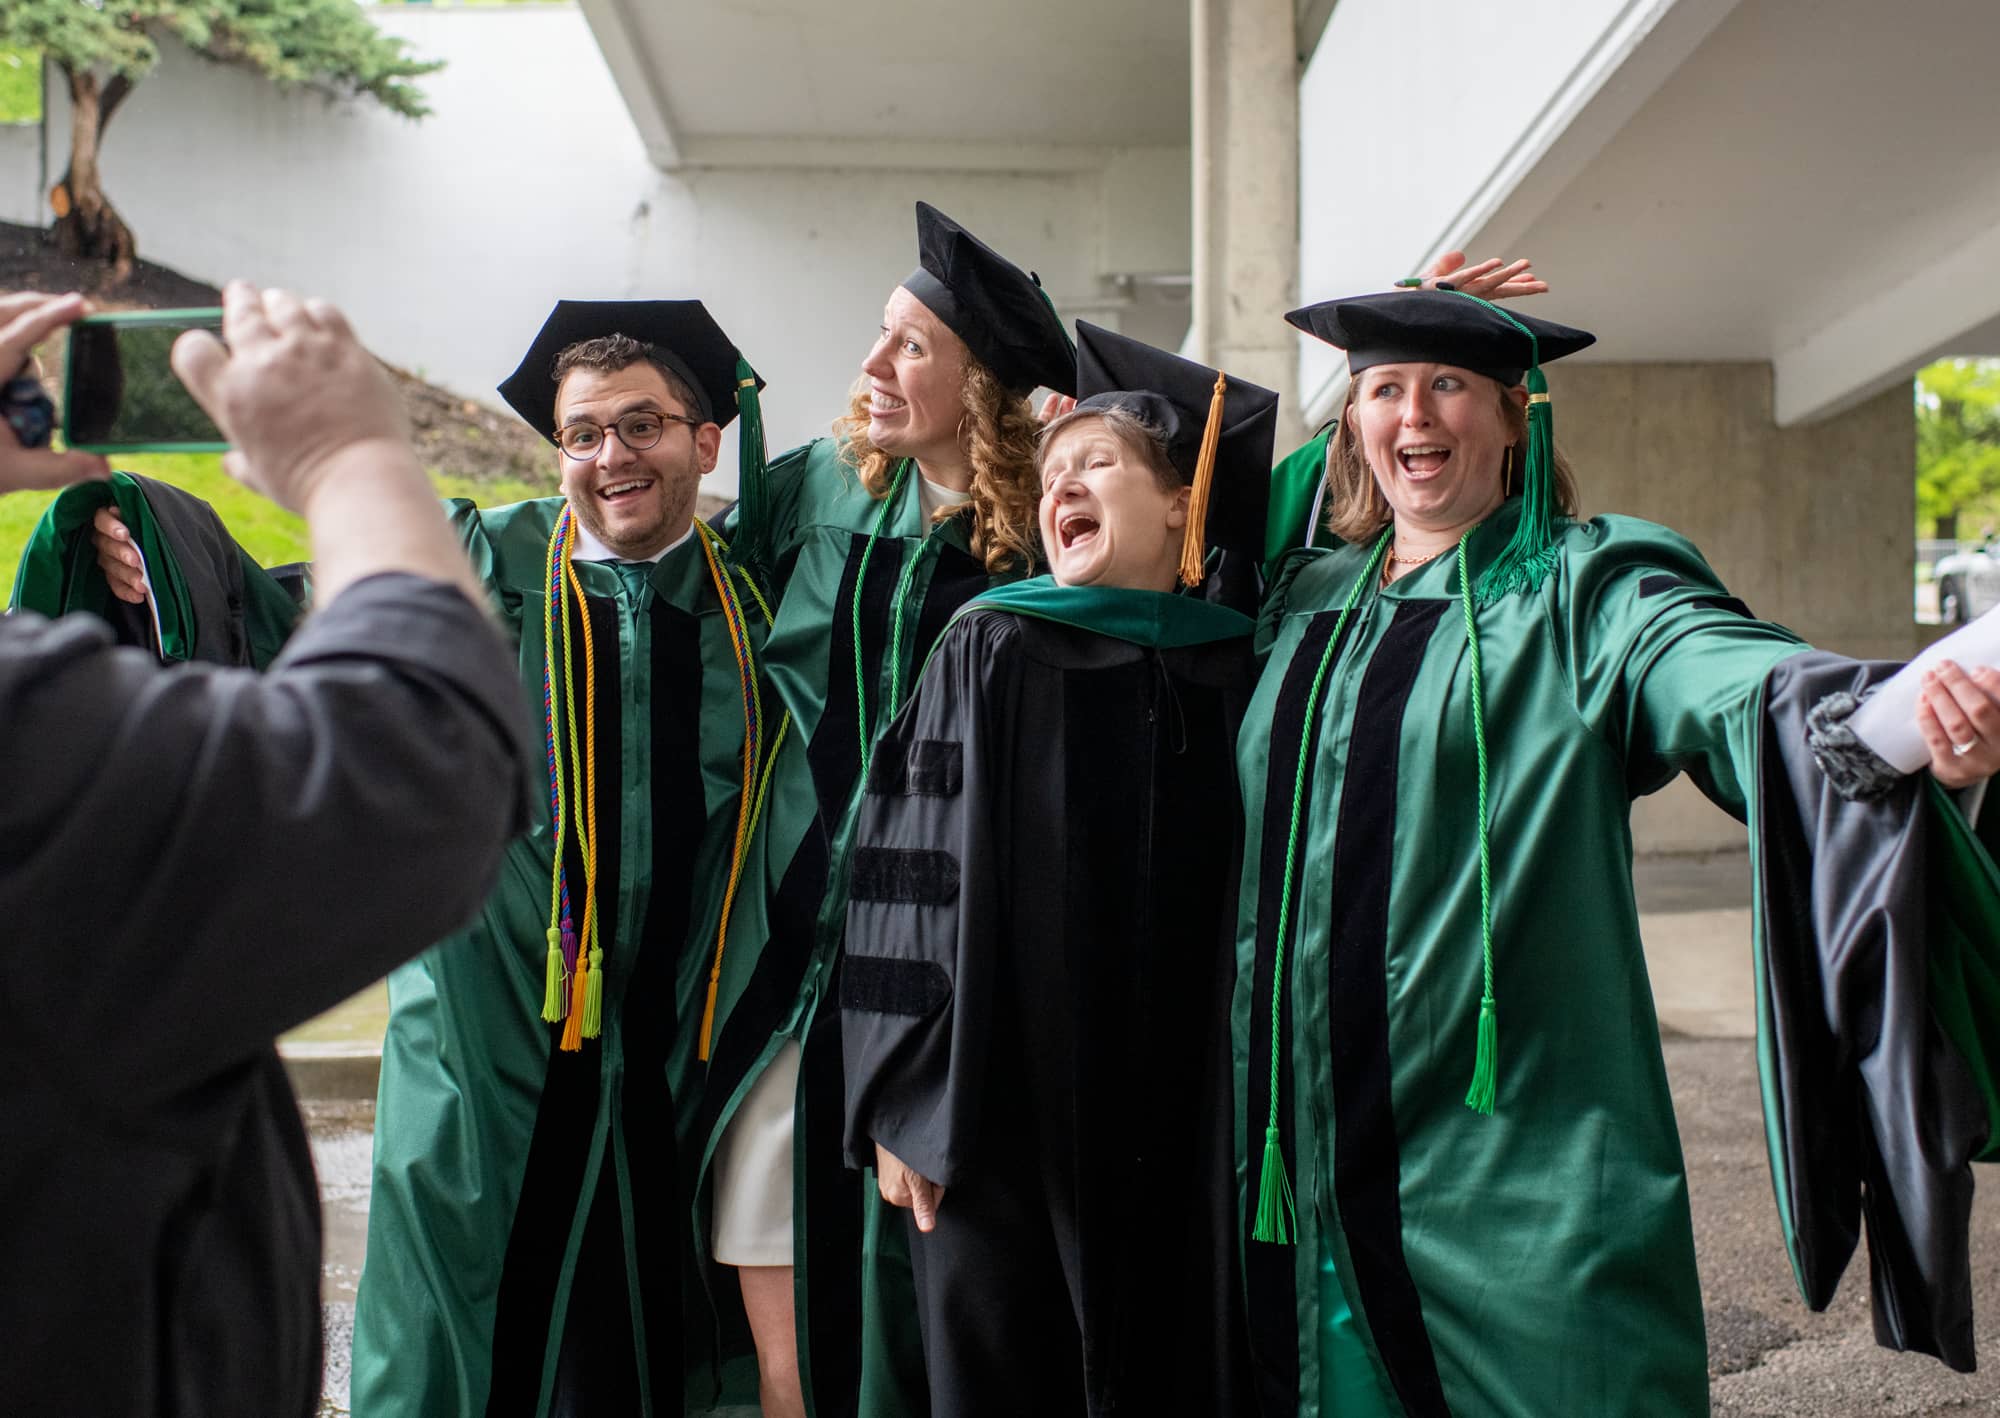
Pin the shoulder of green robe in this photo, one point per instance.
(1615, 558)
(508, 545)
(812, 486)
(1295, 485)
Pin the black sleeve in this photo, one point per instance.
(1872, 1115)
(194, 859)
(925, 913)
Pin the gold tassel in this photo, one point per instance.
(572, 1035)
(1194, 546)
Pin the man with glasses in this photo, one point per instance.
(548, 1083)
(529, 1243)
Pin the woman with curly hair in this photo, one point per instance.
(923, 497)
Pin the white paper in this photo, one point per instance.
(1887, 719)
(152, 605)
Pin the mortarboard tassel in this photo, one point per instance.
(753, 525)
(1194, 544)
(1531, 554)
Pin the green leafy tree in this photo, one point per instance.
(1958, 440)
(103, 48)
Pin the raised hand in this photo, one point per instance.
(1491, 279)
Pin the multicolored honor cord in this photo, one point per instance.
(757, 763)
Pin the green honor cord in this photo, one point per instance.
(1479, 1097)
(1277, 1219)
(860, 582)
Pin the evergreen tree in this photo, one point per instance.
(103, 48)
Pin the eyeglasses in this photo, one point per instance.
(638, 431)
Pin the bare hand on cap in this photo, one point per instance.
(902, 1186)
(1054, 407)
(1491, 279)
(294, 392)
(1959, 717)
(25, 321)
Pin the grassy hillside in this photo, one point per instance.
(269, 533)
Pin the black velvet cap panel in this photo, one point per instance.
(990, 303)
(1436, 327)
(681, 334)
(1173, 394)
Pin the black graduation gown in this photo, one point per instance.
(1034, 1005)
(192, 861)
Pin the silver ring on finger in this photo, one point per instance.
(1961, 749)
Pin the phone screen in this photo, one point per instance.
(120, 395)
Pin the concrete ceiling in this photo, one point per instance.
(886, 81)
(1815, 185)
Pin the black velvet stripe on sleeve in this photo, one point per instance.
(559, 1147)
(1366, 1159)
(932, 768)
(1269, 1275)
(835, 752)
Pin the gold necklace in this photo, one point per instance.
(1416, 560)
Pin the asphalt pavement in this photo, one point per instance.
(1769, 1357)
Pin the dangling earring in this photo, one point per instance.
(1507, 473)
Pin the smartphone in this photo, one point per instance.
(120, 395)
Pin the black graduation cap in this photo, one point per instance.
(681, 333)
(1218, 431)
(999, 310)
(1438, 327)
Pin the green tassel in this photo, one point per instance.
(1479, 1097)
(753, 487)
(1532, 553)
(593, 996)
(1277, 1219)
(553, 996)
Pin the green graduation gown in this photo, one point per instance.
(867, 588)
(530, 1210)
(1541, 1260)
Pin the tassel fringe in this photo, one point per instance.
(1277, 1218)
(593, 996)
(552, 980)
(1479, 1097)
(579, 993)
(1194, 542)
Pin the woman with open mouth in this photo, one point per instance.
(923, 498)
(1465, 1184)
(1039, 953)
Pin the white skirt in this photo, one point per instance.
(753, 1169)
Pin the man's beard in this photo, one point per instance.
(675, 489)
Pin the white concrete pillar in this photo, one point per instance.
(1245, 79)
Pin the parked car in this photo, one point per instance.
(1968, 582)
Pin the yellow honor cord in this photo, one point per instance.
(1194, 544)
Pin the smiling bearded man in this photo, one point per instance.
(529, 1236)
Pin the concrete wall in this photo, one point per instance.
(1810, 526)
(20, 172)
(448, 240)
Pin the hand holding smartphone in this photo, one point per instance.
(120, 393)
